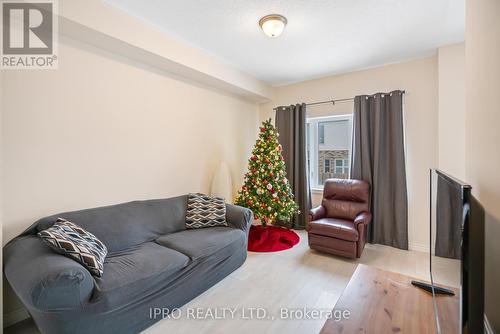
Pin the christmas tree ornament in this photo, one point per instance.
(266, 180)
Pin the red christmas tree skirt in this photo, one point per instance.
(271, 239)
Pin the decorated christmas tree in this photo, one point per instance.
(266, 190)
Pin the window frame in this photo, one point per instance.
(313, 147)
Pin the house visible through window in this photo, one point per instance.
(328, 148)
(341, 166)
(327, 166)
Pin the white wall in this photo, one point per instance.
(482, 55)
(1, 200)
(102, 130)
(420, 80)
(451, 71)
(102, 24)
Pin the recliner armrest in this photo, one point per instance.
(317, 213)
(239, 217)
(363, 218)
(43, 279)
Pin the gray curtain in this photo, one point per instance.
(379, 158)
(291, 126)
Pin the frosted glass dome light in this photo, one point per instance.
(273, 25)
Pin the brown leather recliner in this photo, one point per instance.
(339, 225)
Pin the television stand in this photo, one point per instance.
(437, 289)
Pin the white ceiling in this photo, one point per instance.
(323, 37)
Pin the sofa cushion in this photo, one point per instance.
(141, 220)
(199, 243)
(336, 228)
(131, 273)
(205, 211)
(72, 241)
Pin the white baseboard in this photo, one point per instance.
(487, 326)
(15, 316)
(414, 246)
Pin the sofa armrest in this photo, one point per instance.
(239, 217)
(317, 213)
(43, 279)
(363, 218)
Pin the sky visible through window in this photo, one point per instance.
(329, 141)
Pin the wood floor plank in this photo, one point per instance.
(295, 278)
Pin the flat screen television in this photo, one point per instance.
(456, 242)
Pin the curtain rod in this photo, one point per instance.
(332, 101)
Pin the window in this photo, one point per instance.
(308, 144)
(327, 166)
(321, 133)
(328, 148)
(341, 166)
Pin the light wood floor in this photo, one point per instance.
(291, 279)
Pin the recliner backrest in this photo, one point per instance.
(345, 199)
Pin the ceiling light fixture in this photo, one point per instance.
(273, 25)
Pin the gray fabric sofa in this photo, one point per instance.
(152, 262)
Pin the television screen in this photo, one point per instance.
(456, 255)
(449, 219)
(447, 208)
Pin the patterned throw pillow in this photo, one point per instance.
(71, 240)
(205, 211)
